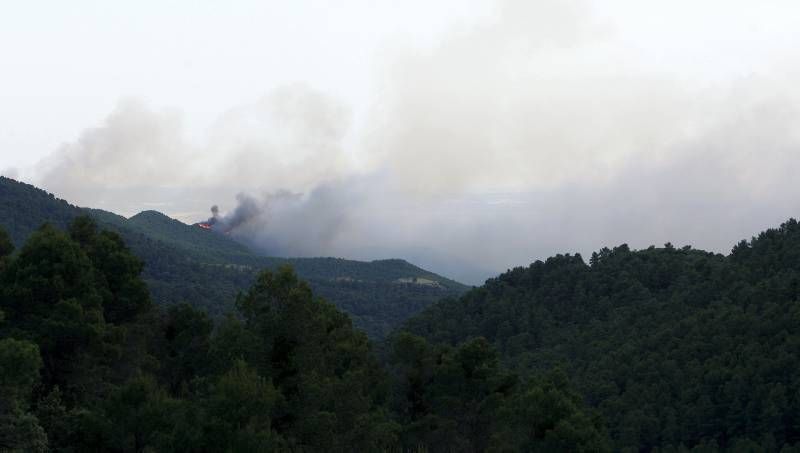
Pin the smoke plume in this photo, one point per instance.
(543, 129)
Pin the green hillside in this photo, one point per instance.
(662, 349)
(23, 208)
(208, 247)
(676, 347)
(207, 269)
(89, 363)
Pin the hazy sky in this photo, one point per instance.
(468, 136)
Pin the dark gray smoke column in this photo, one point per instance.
(248, 211)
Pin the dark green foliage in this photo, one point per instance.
(24, 208)
(321, 366)
(183, 347)
(50, 269)
(664, 349)
(6, 246)
(461, 399)
(547, 415)
(187, 263)
(675, 347)
(211, 248)
(287, 372)
(184, 263)
(19, 372)
(49, 296)
(240, 410)
(116, 270)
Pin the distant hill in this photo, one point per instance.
(677, 348)
(207, 269)
(23, 208)
(193, 241)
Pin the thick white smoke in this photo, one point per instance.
(542, 130)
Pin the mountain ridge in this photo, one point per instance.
(187, 263)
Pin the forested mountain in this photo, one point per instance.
(187, 263)
(675, 347)
(210, 248)
(24, 208)
(661, 349)
(88, 363)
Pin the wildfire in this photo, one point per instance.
(204, 225)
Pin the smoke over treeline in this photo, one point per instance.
(511, 140)
(285, 223)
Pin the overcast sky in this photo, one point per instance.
(466, 136)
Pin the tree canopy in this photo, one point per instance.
(675, 347)
(661, 349)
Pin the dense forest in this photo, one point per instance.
(676, 348)
(89, 363)
(184, 263)
(662, 349)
